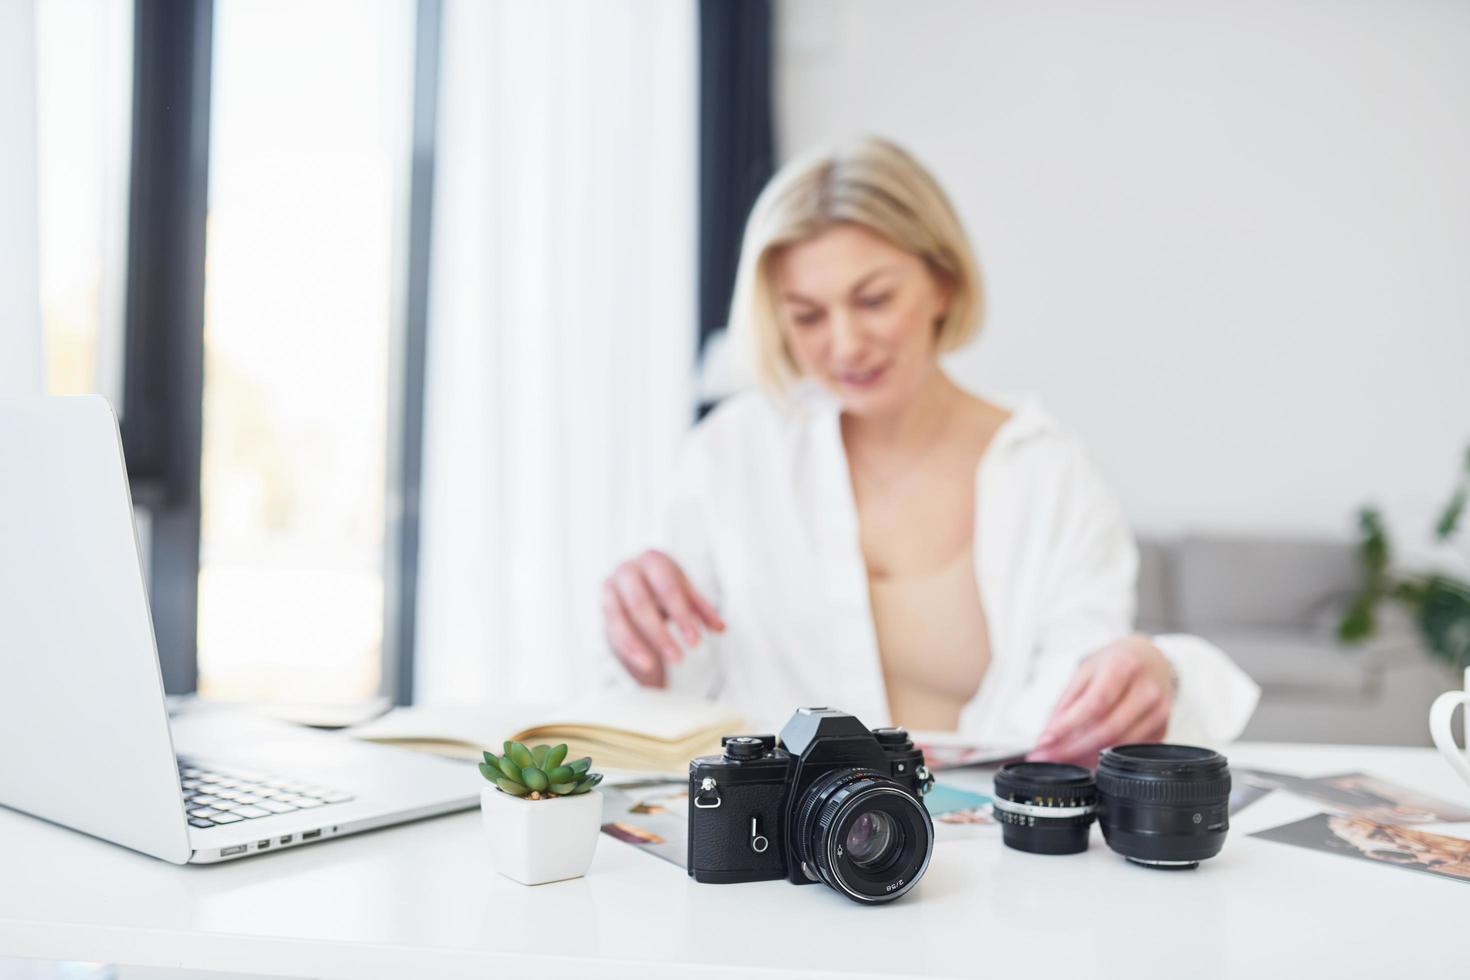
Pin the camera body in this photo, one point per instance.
(832, 801)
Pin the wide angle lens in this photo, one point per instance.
(863, 834)
(1161, 805)
(1045, 807)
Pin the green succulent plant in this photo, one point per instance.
(541, 773)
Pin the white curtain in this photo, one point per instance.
(20, 317)
(562, 329)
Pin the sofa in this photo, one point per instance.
(1273, 604)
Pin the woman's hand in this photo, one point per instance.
(641, 599)
(1122, 693)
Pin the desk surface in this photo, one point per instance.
(420, 900)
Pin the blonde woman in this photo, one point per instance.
(864, 533)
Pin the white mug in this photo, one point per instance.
(1439, 726)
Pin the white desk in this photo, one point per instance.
(420, 901)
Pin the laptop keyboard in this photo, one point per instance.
(215, 797)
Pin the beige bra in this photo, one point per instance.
(933, 642)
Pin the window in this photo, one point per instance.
(84, 92)
(308, 198)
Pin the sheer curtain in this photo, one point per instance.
(562, 329)
(20, 318)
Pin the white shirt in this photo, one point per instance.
(763, 520)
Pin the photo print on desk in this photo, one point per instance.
(652, 815)
(1400, 847)
(1361, 795)
(1243, 793)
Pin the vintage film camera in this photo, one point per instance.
(833, 801)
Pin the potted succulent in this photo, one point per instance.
(540, 813)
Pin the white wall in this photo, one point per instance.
(1229, 242)
(20, 317)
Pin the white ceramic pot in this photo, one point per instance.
(536, 841)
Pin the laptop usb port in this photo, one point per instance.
(262, 845)
(311, 835)
(225, 852)
(288, 839)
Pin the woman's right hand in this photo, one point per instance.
(641, 600)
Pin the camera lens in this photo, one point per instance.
(1045, 807)
(872, 838)
(863, 834)
(1163, 805)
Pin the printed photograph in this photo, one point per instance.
(940, 755)
(1361, 795)
(1243, 793)
(1416, 850)
(652, 815)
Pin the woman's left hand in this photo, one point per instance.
(1122, 693)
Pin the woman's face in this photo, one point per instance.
(858, 314)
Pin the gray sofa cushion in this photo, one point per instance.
(1300, 663)
(1260, 582)
(1155, 613)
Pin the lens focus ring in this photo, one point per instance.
(1168, 793)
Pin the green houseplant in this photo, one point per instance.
(1439, 603)
(541, 814)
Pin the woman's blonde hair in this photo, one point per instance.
(872, 183)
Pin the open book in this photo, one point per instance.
(641, 730)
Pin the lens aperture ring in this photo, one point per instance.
(1042, 811)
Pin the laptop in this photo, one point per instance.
(86, 738)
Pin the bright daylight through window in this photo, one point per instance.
(309, 153)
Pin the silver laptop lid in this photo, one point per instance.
(82, 716)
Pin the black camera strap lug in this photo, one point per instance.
(708, 797)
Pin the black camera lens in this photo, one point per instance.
(873, 837)
(864, 834)
(1045, 807)
(1163, 805)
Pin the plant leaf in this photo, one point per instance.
(1449, 521)
(489, 772)
(521, 755)
(588, 782)
(556, 756)
(1374, 547)
(514, 789)
(563, 789)
(509, 768)
(562, 774)
(580, 766)
(1444, 618)
(1359, 623)
(538, 756)
(534, 778)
